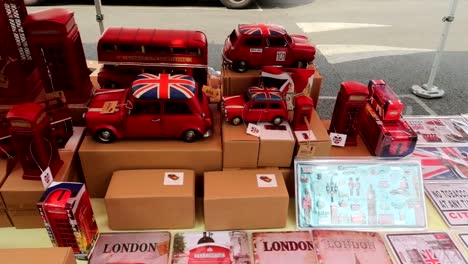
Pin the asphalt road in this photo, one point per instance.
(393, 40)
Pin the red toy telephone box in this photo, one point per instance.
(32, 140)
(66, 211)
(303, 108)
(350, 103)
(57, 50)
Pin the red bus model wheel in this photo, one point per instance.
(236, 121)
(236, 3)
(240, 66)
(277, 120)
(190, 135)
(105, 136)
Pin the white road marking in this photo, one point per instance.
(338, 53)
(332, 26)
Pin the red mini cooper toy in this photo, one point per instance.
(256, 105)
(157, 106)
(255, 45)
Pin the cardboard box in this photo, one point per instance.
(6, 165)
(314, 92)
(276, 145)
(94, 67)
(99, 160)
(38, 256)
(240, 150)
(20, 194)
(25, 219)
(135, 197)
(235, 83)
(314, 142)
(234, 200)
(360, 150)
(288, 175)
(4, 219)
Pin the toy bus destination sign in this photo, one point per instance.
(451, 200)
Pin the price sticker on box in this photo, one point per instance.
(266, 181)
(337, 139)
(174, 178)
(46, 178)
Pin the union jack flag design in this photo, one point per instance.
(443, 163)
(262, 94)
(262, 29)
(430, 257)
(163, 86)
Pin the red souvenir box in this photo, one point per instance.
(385, 101)
(66, 211)
(386, 139)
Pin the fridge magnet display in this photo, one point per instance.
(284, 247)
(350, 247)
(138, 247)
(443, 130)
(464, 238)
(251, 46)
(443, 163)
(353, 193)
(430, 248)
(211, 247)
(451, 200)
(157, 106)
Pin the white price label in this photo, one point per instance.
(46, 178)
(266, 180)
(174, 178)
(253, 130)
(337, 139)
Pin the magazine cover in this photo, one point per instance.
(451, 200)
(284, 247)
(464, 239)
(434, 130)
(350, 247)
(137, 247)
(443, 163)
(350, 193)
(425, 248)
(224, 247)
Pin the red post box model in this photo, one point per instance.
(19, 78)
(302, 113)
(350, 103)
(57, 51)
(33, 141)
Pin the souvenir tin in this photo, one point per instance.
(442, 163)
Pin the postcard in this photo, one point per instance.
(434, 130)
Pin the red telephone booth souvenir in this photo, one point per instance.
(19, 78)
(302, 112)
(350, 103)
(57, 50)
(32, 140)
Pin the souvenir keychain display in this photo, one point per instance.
(359, 194)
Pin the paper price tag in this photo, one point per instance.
(253, 130)
(266, 180)
(337, 139)
(46, 178)
(174, 178)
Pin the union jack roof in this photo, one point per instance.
(263, 94)
(261, 29)
(163, 86)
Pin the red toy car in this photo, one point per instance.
(256, 105)
(256, 45)
(162, 106)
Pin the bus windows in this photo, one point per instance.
(108, 47)
(178, 51)
(194, 51)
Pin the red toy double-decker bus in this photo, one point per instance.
(127, 52)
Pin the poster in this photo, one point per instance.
(211, 247)
(451, 200)
(443, 163)
(350, 193)
(439, 130)
(425, 248)
(284, 247)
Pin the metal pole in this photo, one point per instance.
(429, 90)
(99, 15)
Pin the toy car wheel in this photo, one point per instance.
(277, 120)
(190, 135)
(302, 64)
(236, 121)
(105, 136)
(236, 3)
(241, 66)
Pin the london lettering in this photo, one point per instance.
(348, 243)
(129, 247)
(288, 246)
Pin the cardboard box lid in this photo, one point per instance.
(318, 129)
(150, 183)
(236, 133)
(267, 132)
(57, 255)
(242, 184)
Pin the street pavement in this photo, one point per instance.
(393, 40)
